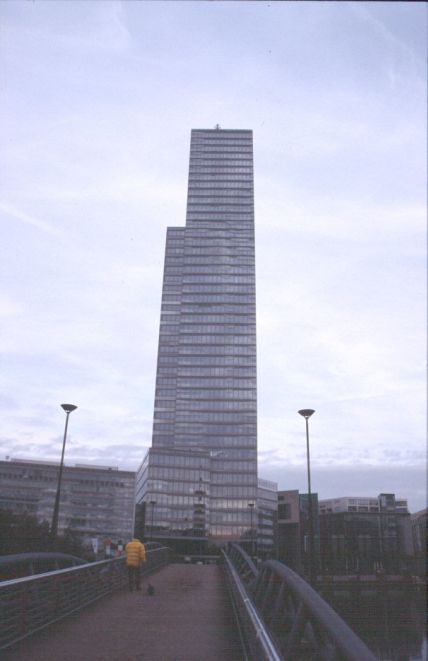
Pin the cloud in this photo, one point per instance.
(349, 480)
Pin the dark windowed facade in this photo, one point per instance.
(202, 468)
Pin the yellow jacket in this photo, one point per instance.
(135, 553)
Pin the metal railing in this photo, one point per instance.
(298, 621)
(255, 638)
(34, 602)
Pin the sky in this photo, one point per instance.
(97, 103)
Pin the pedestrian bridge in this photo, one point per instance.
(229, 611)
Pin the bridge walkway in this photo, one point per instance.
(189, 618)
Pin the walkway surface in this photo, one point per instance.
(189, 618)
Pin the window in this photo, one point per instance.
(284, 510)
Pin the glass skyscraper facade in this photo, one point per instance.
(201, 473)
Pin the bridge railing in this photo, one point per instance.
(298, 621)
(32, 603)
(256, 640)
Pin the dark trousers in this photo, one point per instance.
(134, 577)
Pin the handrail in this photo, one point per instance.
(31, 603)
(266, 649)
(298, 619)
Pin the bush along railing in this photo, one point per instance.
(34, 602)
(300, 623)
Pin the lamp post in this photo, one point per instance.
(251, 506)
(152, 503)
(68, 408)
(306, 413)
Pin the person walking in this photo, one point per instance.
(135, 556)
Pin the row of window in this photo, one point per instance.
(219, 340)
(245, 316)
(223, 350)
(222, 405)
(236, 211)
(196, 290)
(217, 217)
(182, 475)
(223, 280)
(221, 394)
(219, 135)
(188, 320)
(235, 183)
(211, 308)
(243, 444)
(222, 361)
(224, 168)
(208, 196)
(183, 372)
(234, 146)
(227, 328)
(180, 460)
(220, 251)
(211, 382)
(197, 429)
(234, 371)
(201, 136)
(224, 146)
(212, 198)
(220, 158)
(217, 257)
(236, 237)
(246, 178)
(208, 416)
(192, 285)
(214, 269)
(211, 298)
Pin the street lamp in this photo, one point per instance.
(152, 503)
(306, 413)
(68, 408)
(251, 506)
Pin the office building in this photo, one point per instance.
(97, 502)
(266, 517)
(365, 535)
(200, 475)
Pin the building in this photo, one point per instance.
(419, 535)
(97, 502)
(266, 517)
(365, 535)
(200, 475)
(293, 529)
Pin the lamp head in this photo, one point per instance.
(251, 505)
(306, 413)
(153, 502)
(68, 408)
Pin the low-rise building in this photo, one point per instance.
(293, 530)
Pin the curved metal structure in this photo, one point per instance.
(34, 602)
(297, 620)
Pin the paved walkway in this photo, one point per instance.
(189, 618)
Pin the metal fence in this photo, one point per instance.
(300, 624)
(32, 603)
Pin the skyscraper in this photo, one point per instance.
(200, 476)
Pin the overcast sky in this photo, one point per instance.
(98, 100)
